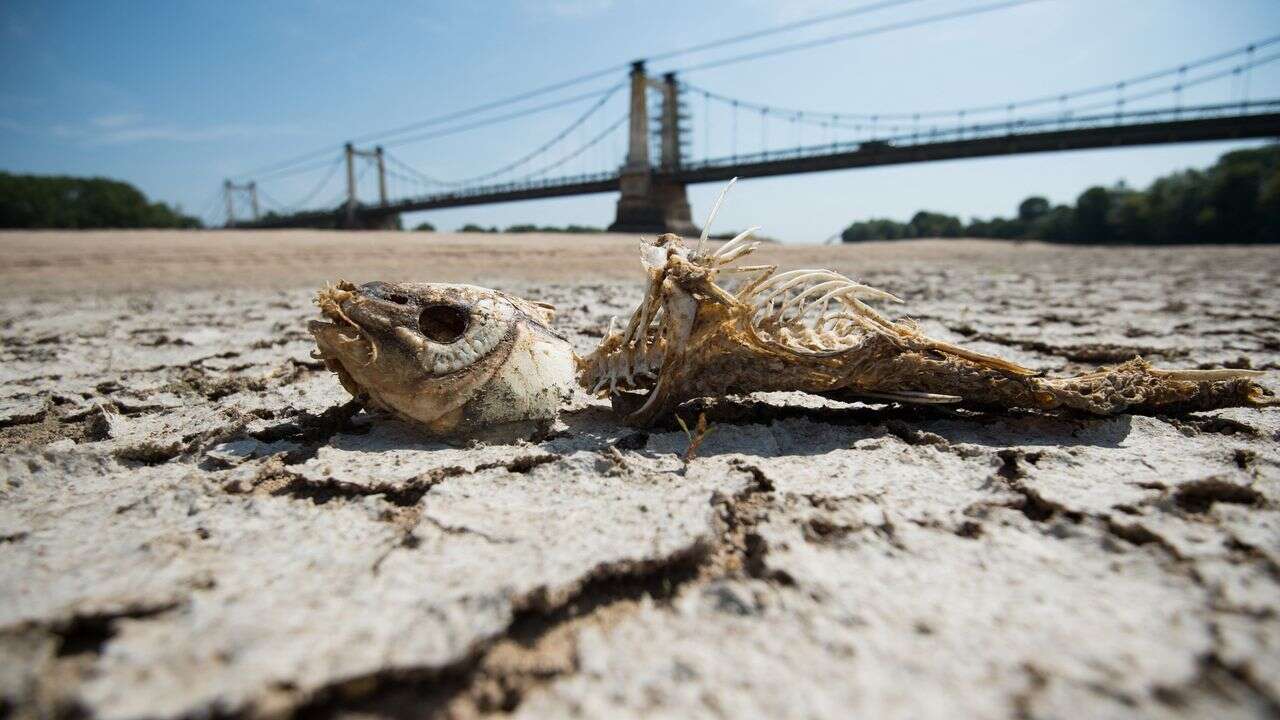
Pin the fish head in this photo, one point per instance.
(453, 358)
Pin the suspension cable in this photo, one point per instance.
(1008, 107)
(841, 37)
(498, 118)
(333, 169)
(859, 10)
(604, 98)
(290, 172)
(590, 144)
(570, 82)
(1184, 84)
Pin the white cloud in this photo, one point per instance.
(116, 121)
(122, 129)
(175, 133)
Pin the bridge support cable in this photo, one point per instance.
(1248, 65)
(303, 201)
(1246, 51)
(869, 32)
(962, 126)
(212, 209)
(1183, 83)
(560, 136)
(599, 138)
(576, 80)
(380, 158)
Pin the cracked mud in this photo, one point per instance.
(195, 522)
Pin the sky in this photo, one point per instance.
(175, 96)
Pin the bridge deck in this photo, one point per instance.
(872, 154)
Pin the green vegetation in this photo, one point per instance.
(36, 201)
(1237, 200)
(425, 227)
(576, 229)
(526, 228)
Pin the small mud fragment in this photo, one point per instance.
(1198, 496)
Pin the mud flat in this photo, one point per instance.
(194, 523)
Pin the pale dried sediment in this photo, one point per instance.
(193, 523)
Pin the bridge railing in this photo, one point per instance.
(498, 189)
(976, 131)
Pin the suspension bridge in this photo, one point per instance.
(656, 166)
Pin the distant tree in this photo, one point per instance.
(978, 228)
(530, 227)
(1055, 225)
(1237, 200)
(1269, 209)
(1006, 229)
(37, 201)
(876, 229)
(1129, 219)
(425, 227)
(1093, 208)
(473, 228)
(1235, 192)
(1176, 206)
(934, 225)
(1032, 209)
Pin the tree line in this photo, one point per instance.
(521, 228)
(56, 201)
(1236, 200)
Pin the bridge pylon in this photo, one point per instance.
(352, 218)
(653, 202)
(250, 189)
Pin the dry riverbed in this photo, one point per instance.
(195, 523)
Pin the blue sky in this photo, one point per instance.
(174, 96)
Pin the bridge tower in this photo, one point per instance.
(229, 190)
(653, 202)
(353, 217)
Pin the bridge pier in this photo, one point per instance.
(652, 202)
(364, 221)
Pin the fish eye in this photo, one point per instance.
(398, 299)
(443, 323)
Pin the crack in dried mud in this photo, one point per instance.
(539, 644)
(535, 647)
